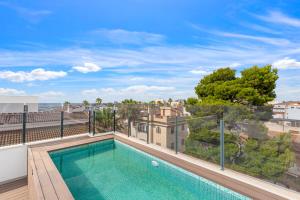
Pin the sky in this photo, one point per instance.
(74, 50)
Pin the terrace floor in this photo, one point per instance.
(16, 190)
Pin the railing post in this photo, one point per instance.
(148, 128)
(62, 124)
(222, 143)
(176, 134)
(89, 121)
(24, 127)
(114, 125)
(94, 122)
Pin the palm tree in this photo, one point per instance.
(85, 103)
(104, 119)
(98, 101)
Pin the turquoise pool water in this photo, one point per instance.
(111, 170)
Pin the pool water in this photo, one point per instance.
(111, 170)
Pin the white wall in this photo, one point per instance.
(13, 162)
(293, 112)
(15, 104)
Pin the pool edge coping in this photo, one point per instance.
(41, 189)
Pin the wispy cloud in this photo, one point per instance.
(139, 92)
(287, 63)
(278, 17)
(11, 92)
(87, 67)
(31, 15)
(36, 74)
(121, 36)
(263, 29)
(199, 71)
(268, 40)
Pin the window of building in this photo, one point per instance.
(172, 130)
(142, 128)
(158, 129)
(172, 145)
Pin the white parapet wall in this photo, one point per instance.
(13, 163)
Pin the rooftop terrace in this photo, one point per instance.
(180, 140)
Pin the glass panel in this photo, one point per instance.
(104, 120)
(122, 118)
(261, 145)
(76, 123)
(203, 139)
(42, 125)
(138, 116)
(11, 128)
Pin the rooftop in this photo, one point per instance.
(46, 131)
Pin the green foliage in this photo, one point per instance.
(85, 103)
(256, 86)
(104, 119)
(191, 101)
(129, 101)
(239, 102)
(269, 159)
(98, 101)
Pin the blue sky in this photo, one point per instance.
(83, 49)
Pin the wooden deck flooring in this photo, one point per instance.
(44, 180)
(16, 190)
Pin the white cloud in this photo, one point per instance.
(287, 63)
(51, 96)
(121, 36)
(36, 74)
(278, 17)
(33, 16)
(267, 40)
(145, 88)
(87, 67)
(12, 92)
(235, 65)
(201, 72)
(138, 92)
(260, 28)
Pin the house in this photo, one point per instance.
(288, 112)
(162, 127)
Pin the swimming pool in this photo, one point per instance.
(111, 170)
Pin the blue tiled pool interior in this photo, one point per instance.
(111, 170)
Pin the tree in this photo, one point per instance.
(129, 101)
(104, 120)
(85, 103)
(256, 86)
(66, 103)
(98, 101)
(241, 103)
(170, 100)
(191, 101)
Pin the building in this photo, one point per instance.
(70, 108)
(18, 104)
(162, 128)
(289, 112)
